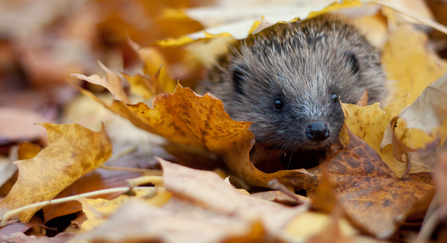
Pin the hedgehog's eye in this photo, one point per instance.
(238, 78)
(353, 62)
(334, 98)
(278, 104)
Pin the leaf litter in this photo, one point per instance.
(364, 185)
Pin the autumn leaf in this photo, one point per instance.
(370, 123)
(428, 111)
(409, 63)
(370, 193)
(73, 151)
(197, 196)
(98, 210)
(420, 123)
(111, 82)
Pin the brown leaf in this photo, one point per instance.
(368, 190)
(73, 151)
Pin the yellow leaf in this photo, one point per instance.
(370, 122)
(409, 63)
(73, 152)
(152, 64)
(309, 223)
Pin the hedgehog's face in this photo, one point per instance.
(288, 113)
(294, 100)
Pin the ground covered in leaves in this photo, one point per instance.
(103, 139)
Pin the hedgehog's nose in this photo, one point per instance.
(317, 131)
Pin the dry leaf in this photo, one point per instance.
(428, 111)
(98, 210)
(408, 61)
(311, 223)
(204, 209)
(220, 197)
(73, 151)
(111, 82)
(369, 191)
(138, 221)
(371, 124)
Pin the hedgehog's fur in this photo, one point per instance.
(301, 63)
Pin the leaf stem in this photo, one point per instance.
(10, 213)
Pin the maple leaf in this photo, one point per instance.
(73, 151)
(369, 191)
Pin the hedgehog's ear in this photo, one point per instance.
(352, 61)
(238, 79)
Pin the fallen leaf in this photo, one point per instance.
(111, 82)
(144, 85)
(371, 124)
(28, 150)
(409, 63)
(137, 221)
(155, 65)
(73, 151)
(332, 231)
(308, 224)
(98, 210)
(95, 180)
(223, 198)
(369, 191)
(428, 111)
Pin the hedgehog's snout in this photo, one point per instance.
(317, 131)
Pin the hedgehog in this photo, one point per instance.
(289, 80)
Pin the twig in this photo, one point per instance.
(10, 213)
(145, 171)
